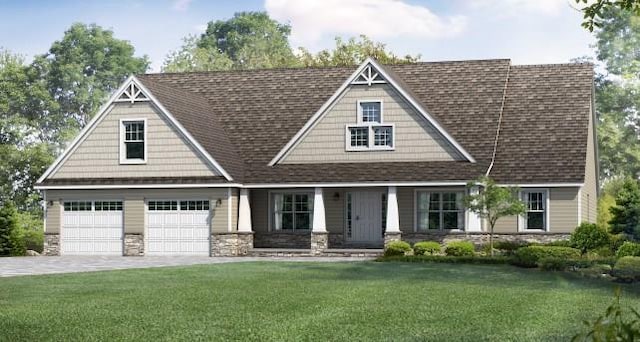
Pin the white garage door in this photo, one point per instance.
(92, 228)
(177, 227)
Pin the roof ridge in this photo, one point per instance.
(495, 142)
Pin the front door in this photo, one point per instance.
(365, 216)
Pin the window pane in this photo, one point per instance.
(535, 220)
(135, 150)
(359, 136)
(302, 203)
(370, 111)
(287, 203)
(423, 221)
(434, 201)
(434, 220)
(451, 220)
(383, 136)
(449, 201)
(287, 221)
(302, 221)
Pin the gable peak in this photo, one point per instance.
(132, 93)
(369, 75)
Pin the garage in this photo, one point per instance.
(92, 228)
(178, 227)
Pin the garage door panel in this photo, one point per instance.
(177, 228)
(91, 232)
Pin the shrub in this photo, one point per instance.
(397, 248)
(449, 259)
(426, 248)
(588, 236)
(553, 264)
(617, 240)
(8, 227)
(628, 249)
(614, 325)
(32, 233)
(459, 248)
(604, 251)
(627, 269)
(531, 255)
(558, 243)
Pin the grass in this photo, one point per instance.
(304, 301)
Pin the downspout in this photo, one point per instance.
(495, 143)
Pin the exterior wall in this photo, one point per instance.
(234, 209)
(415, 138)
(563, 213)
(168, 154)
(589, 193)
(134, 204)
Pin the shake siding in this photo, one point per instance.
(590, 190)
(334, 209)
(405, 209)
(134, 204)
(234, 209)
(168, 154)
(416, 139)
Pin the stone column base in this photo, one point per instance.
(51, 244)
(231, 244)
(319, 242)
(134, 244)
(390, 237)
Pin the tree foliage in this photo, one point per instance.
(493, 202)
(626, 213)
(8, 227)
(594, 10)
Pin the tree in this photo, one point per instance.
(352, 52)
(85, 66)
(595, 9)
(493, 202)
(8, 225)
(190, 57)
(626, 213)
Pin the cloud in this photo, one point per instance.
(512, 7)
(311, 20)
(181, 5)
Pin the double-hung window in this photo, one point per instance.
(370, 133)
(535, 217)
(439, 210)
(133, 144)
(291, 211)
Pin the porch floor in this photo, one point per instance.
(330, 252)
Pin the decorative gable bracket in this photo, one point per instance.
(369, 75)
(132, 93)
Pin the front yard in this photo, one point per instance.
(304, 301)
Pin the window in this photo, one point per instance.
(108, 206)
(194, 205)
(292, 211)
(77, 206)
(439, 210)
(133, 144)
(370, 133)
(163, 205)
(535, 217)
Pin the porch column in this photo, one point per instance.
(474, 221)
(244, 212)
(319, 234)
(392, 232)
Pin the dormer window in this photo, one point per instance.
(370, 133)
(133, 141)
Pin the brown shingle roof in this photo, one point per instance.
(261, 110)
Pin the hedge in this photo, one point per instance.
(531, 256)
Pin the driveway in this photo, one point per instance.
(16, 266)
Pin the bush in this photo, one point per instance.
(628, 249)
(32, 234)
(604, 251)
(531, 255)
(449, 259)
(426, 248)
(551, 263)
(558, 243)
(627, 269)
(397, 248)
(8, 228)
(614, 325)
(588, 236)
(617, 240)
(459, 248)
(509, 245)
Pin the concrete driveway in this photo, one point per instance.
(16, 266)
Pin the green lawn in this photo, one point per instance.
(304, 301)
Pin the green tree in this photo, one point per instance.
(352, 52)
(626, 213)
(595, 10)
(190, 57)
(493, 202)
(8, 226)
(83, 67)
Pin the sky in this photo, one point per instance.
(526, 31)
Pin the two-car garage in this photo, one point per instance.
(171, 227)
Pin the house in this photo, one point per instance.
(323, 159)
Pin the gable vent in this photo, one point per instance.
(132, 93)
(369, 76)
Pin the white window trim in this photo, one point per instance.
(270, 202)
(123, 149)
(359, 110)
(440, 190)
(547, 216)
(372, 147)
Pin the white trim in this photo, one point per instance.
(545, 185)
(359, 111)
(45, 211)
(229, 202)
(105, 109)
(370, 137)
(440, 190)
(270, 208)
(351, 185)
(393, 216)
(122, 146)
(369, 61)
(318, 217)
(136, 186)
(580, 207)
(547, 214)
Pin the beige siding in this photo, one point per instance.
(563, 213)
(334, 209)
(134, 204)
(234, 209)
(168, 154)
(590, 189)
(406, 209)
(416, 139)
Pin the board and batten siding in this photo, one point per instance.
(168, 153)
(589, 191)
(563, 213)
(134, 205)
(415, 138)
